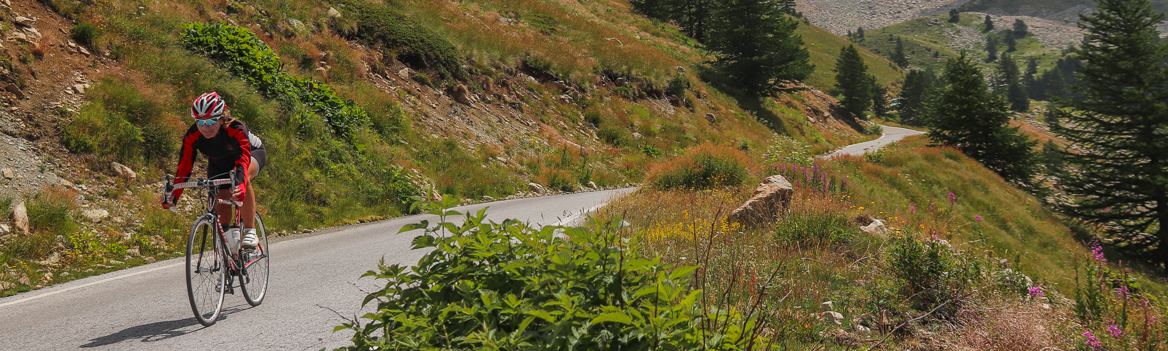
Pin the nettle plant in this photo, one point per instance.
(239, 50)
(511, 286)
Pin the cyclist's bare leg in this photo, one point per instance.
(247, 211)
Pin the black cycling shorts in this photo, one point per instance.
(220, 170)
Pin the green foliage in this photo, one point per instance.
(701, 170)
(613, 136)
(968, 116)
(854, 82)
(898, 56)
(1117, 130)
(238, 50)
(504, 286)
(85, 34)
(121, 124)
(413, 44)
(932, 274)
(785, 149)
(915, 94)
(815, 229)
(756, 45)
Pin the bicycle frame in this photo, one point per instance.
(210, 213)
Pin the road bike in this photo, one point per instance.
(215, 260)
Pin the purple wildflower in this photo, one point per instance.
(1123, 292)
(1091, 340)
(912, 209)
(1114, 331)
(977, 218)
(1036, 292)
(952, 199)
(932, 207)
(1097, 252)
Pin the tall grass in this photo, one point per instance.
(702, 167)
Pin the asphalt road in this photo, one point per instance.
(146, 308)
(891, 135)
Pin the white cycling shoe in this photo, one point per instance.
(250, 240)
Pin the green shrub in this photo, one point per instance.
(785, 149)
(809, 229)
(245, 55)
(703, 167)
(510, 286)
(613, 136)
(104, 132)
(85, 34)
(50, 213)
(933, 274)
(413, 44)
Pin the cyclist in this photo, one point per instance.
(228, 144)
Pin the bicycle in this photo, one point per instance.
(214, 260)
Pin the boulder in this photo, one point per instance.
(592, 185)
(711, 118)
(536, 188)
(5, 229)
(79, 88)
(8, 174)
(461, 94)
(770, 198)
(95, 215)
(834, 317)
(334, 13)
(875, 228)
(24, 21)
(123, 172)
(20, 219)
(52, 260)
(826, 306)
(15, 90)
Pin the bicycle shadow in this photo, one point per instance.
(156, 331)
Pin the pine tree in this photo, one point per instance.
(756, 45)
(1017, 96)
(694, 16)
(879, 99)
(1006, 73)
(1020, 28)
(859, 34)
(915, 95)
(1011, 42)
(1030, 73)
(971, 118)
(991, 48)
(1119, 126)
(954, 16)
(989, 24)
(853, 81)
(898, 56)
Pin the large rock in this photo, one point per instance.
(461, 94)
(875, 228)
(95, 215)
(536, 188)
(8, 174)
(834, 317)
(123, 172)
(24, 21)
(334, 13)
(20, 219)
(770, 198)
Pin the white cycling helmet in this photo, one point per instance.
(208, 105)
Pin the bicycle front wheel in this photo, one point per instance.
(206, 280)
(255, 267)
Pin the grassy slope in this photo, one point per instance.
(825, 48)
(821, 255)
(315, 179)
(921, 40)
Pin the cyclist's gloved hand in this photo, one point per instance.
(240, 190)
(168, 201)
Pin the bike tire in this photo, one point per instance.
(256, 268)
(206, 272)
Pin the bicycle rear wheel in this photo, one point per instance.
(206, 279)
(255, 271)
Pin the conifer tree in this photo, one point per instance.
(879, 99)
(991, 48)
(915, 95)
(954, 16)
(1006, 72)
(1119, 125)
(898, 56)
(1011, 42)
(1020, 28)
(971, 118)
(989, 24)
(756, 45)
(853, 81)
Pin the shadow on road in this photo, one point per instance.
(156, 331)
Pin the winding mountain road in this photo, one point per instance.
(315, 280)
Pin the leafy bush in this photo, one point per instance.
(85, 34)
(932, 274)
(107, 133)
(510, 286)
(245, 55)
(703, 167)
(785, 149)
(613, 136)
(413, 44)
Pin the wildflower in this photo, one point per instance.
(1036, 292)
(1097, 252)
(934, 236)
(1114, 330)
(932, 207)
(1091, 340)
(912, 209)
(861, 207)
(977, 218)
(1122, 292)
(952, 199)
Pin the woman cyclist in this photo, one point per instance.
(228, 145)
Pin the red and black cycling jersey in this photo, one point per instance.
(229, 149)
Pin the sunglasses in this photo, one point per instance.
(207, 122)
